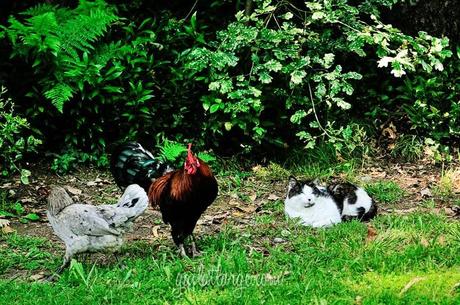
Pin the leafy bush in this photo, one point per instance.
(434, 107)
(14, 209)
(14, 141)
(284, 66)
(96, 69)
(69, 160)
(280, 73)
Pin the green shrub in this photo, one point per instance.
(284, 67)
(281, 73)
(15, 138)
(69, 160)
(95, 68)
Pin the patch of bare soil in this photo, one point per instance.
(238, 203)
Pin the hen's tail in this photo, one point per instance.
(132, 164)
(58, 199)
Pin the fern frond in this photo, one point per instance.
(108, 52)
(208, 158)
(171, 151)
(59, 94)
(39, 9)
(78, 33)
(44, 24)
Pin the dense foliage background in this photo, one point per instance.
(234, 76)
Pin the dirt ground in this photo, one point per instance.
(237, 205)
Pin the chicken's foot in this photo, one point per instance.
(182, 250)
(195, 252)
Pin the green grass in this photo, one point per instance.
(245, 266)
(23, 252)
(385, 191)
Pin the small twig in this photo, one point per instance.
(276, 20)
(316, 115)
(191, 10)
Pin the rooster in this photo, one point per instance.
(131, 163)
(90, 228)
(182, 195)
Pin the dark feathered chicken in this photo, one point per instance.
(131, 163)
(182, 195)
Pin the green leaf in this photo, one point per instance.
(18, 208)
(172, 150)
(193, 21)
(25, 174)
(318, 15)
(265, 78)
(32, 216)
(59, 94)
(206, 157)
(342, 104)
(228, 126)
(6, 214)
(214, 108)
(297, 76)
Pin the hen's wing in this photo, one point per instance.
(84, 219)
(114, 216)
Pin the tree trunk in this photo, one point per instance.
(437, 17)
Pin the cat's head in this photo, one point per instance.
(305, 190)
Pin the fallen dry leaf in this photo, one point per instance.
(410, 284)
(5, 186)
(155, 230)
(27, 200)
(5, 227)
(246, 208)
(73, 190)
(273, 197)
(253, 197)
(424, 242)
(37, 276)
(442, 240)
(234, 202)
(371, 233)
(426, 192)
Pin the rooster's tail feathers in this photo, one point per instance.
(132, 164)
(58, 200)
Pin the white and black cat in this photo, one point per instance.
(322, 206)
(353, 201)
(311, 204)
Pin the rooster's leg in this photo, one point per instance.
(195, 252)
(182, 250)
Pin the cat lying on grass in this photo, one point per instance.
(318, 206)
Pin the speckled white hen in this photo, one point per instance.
(90, 228)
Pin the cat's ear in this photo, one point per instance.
(292, 182)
